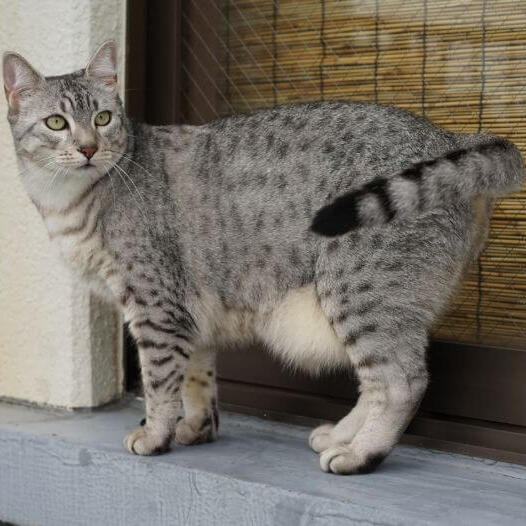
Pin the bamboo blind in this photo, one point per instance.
(462, 63)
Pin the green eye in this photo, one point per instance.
(103, 118)
(56, 123)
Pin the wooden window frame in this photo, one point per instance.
(476, 401)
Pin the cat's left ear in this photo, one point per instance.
(19, 77)
(103, 65)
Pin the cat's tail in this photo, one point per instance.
(491, 168)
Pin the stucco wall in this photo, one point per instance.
(58, 344)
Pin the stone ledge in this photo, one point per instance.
(70, 468)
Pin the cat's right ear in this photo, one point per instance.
(19, 77)
(103, 65)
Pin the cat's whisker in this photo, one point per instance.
(128, 158)
(107, 172)
(40, 160)
(50, 182)
(63, 173)
(131, 180)
(120, 172)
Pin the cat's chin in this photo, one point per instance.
(88, 169)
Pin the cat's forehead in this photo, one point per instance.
(76, 94)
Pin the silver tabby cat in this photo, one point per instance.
(217, 235)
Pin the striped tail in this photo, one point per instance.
(490, 168)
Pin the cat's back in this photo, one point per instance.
(345, 143)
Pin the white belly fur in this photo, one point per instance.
(295, 330)
(298, 332)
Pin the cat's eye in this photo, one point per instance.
(103, 118)
(56, 123)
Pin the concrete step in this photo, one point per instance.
(59, 468)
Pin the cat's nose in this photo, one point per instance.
(88, 151)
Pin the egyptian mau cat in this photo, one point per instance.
(205, 237)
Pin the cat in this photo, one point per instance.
(332, 232)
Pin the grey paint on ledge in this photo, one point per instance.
(70, 468)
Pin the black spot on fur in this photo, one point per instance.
(206, 422)
(270, 140)
(379, 187)
(215, 413)
(165, 446)
(352, 337)
(328, 147)
(455, 155)
(150, 344)
(338, 217)
(348, 136)
(283, 148)
(377, 241)
(162, 361)
(364, 287)
(305, 145)
(180, 351)
(359, 265)
(371, 361)
(339, 273)
(158, 383)
(371, 463)
(294, 257)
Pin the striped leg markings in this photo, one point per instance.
(165, 350)
(201, 420)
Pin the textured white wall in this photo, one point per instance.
(58, 344)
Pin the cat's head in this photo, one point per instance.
(70, 126)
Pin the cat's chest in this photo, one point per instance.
(77, 236)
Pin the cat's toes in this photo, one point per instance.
(345, 461)
(143, 441)
(320, 438)
(196, 431)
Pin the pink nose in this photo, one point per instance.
(88, 151)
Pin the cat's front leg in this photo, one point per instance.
(165, 348)
(201, 419)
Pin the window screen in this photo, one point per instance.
(460, 63)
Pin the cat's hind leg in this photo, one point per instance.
(393, 379)
(201, 419)
(381, 290)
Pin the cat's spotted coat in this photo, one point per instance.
(204, 236)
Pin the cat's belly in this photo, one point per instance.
(295, 330)
(298, 332)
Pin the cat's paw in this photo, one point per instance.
(320, 438)
(345, 461)
(143, 441)
(196, 430)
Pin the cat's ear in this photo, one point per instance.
(19, 77)
(103, 65)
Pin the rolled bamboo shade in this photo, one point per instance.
(461, 63)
